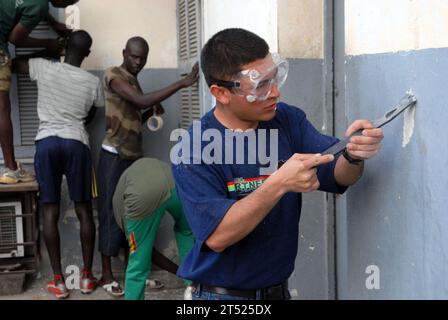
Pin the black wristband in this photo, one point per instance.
(350, 160)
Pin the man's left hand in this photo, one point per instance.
(192, 77)
(366, 146)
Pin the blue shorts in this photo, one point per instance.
(56, 157)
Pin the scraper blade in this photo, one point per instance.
(407, 101)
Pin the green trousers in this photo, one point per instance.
(141, 235)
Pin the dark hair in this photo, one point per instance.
(79, 43)
(139, 41)
(227, 51)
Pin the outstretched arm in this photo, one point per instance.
(360, 148)
(157, 109)
(298, 174)
(20, 64)
(163, 262)
(129, 93)
(90, 116)
(60, 28)
(19, 37)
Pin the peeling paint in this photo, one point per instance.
(408, 127)
(293, 292)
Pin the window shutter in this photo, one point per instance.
(189, 29)
(27, 91)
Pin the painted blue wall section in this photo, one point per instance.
(397, 217)
(313, 275)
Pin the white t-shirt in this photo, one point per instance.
(65, 95)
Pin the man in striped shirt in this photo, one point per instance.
(66, 94)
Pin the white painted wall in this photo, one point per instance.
(292, 27)
(300, 29)
(390, 26)
(112, 22)
(258, 16)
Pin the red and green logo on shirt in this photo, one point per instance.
(243, 187)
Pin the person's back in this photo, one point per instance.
(65, 96)
(145, 191)
(18, 18)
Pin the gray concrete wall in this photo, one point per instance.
(313, 276)
(396, 215)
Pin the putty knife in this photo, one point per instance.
(407, 101)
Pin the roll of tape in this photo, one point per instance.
(155, 123)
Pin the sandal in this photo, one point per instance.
(113, 288)
(57, 287)
(88, 283)
(154, 284)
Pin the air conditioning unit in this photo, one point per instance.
(11, 230)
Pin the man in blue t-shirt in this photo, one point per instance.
(245, 213)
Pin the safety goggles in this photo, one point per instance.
(256, 84)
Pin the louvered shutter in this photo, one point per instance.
(27, 91)
(189, 27)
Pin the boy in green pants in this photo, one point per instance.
(145, 191)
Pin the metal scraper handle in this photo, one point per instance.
(407, 101)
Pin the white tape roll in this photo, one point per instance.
(155, 123)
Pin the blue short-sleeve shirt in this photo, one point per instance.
(267, 255)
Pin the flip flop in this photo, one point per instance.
(154, 284)
(109, 288)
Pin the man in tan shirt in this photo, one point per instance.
(123, 142)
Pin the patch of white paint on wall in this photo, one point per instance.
(219, 15)
(301, 29)
(382, 26)
(408, 127)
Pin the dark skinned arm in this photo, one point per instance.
(20, 64)
(163, 262)
(60, 28)
(19, 37)
(159, 110)
(143, 101)
(90, 116)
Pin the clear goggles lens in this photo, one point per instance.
(256, 84)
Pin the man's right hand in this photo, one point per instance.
(299, 173)
(55, 47)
